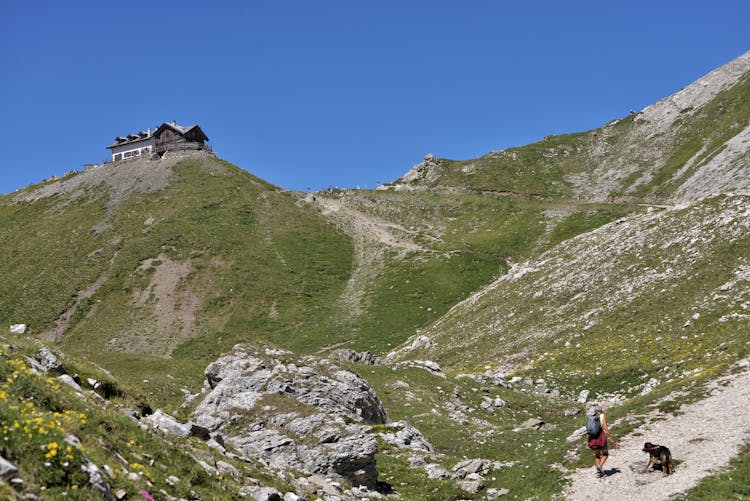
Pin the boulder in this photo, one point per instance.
(259, 493)
(406, 437)
(572, 411)
(496, 493)
(67, 379)
(96, 479)
(7, 469)
(472, 483)
(49, 362)
(535, 424)
(436, 472)
(349, 355)
(583, 396)
(19, 328)
(165, 423)
(319, 430)
(469, 466)
(576, 435)
(238, 380)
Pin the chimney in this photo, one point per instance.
(149, 132)
(174, 122)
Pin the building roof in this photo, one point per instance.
(131, 138)
(183, 130)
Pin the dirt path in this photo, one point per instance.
(698, 436)
(373, 239)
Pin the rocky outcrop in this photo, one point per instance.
(167, 424)
(305, 414)
(49, 362)
(349, 355)
(405, 436)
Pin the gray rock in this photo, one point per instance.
(573, 411)
(49, 362)
(215, 444)
(172, 480)
(406, 437)
(429, 364)
(19, 328)
(290, 496)
(239, 380)
(121, 494)
(108, 470)
(469, 466)
(535, 424)
(131, 413)
(96, 479)
(67, 379)
(349, 355)
(165, 423)
(435, 472)
(314, 441)
(576, 435)
(583, 396)
(472, 483)
(225, 467)
(7, 469)
(322, 485)
(496, 493)
(259, 493)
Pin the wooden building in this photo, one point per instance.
(168, 136)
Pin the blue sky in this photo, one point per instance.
(340, 93)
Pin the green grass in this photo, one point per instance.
(627, 345)
(587, 218)
(425, 405)
(731, 483)
(38, 413)
(534, 170)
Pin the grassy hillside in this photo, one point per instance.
(543, 262)
(183, 272)
(50, 430)
(659, 295)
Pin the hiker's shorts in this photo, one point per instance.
(601, 451)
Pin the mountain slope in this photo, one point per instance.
(180, 258)
(689, 145)
(535, 277)
(623, 303)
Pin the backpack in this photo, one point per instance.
(593, 425)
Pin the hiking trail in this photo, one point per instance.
(697, 435)
(373, 239)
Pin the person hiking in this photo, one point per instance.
(598, 435)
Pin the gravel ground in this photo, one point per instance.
(703, 437)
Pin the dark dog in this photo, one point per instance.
(661, 453)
